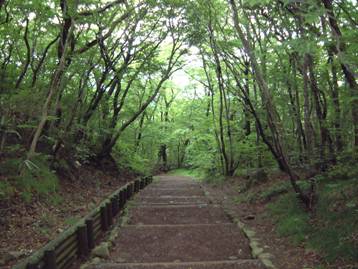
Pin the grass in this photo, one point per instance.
(266, 194)
(198, 174)
(186, 172)
(332, 229)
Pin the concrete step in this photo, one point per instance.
(172, 192)
(192, 214)
(227, 264)
(180, 243)
(170, 200)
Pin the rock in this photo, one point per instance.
(249, 217)
(120, 260)
(102, 251)
(249, 233)
(16, 254)
(268, 263)
(84, 266)
(92, 205)
(96, 260)
(266, 256)
(255, 249)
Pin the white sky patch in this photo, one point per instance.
(181, 79)
(32, 16)
(189, 87)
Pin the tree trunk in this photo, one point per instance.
(335, 100)
(347, 71)
(273, 119)
(54, 86)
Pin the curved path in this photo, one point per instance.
(173, 224)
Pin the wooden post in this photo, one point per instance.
(124, 196)
(121, 199)
(82, 241)
(135, 186)
(142, 183)
(132, 188)
(118, 202)
(90, 234)
(114, 206)
(128, 192)
(50, 259)
(109, 213)
(104, 218)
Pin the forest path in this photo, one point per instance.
(173, 224)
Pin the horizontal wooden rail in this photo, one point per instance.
(77, 241)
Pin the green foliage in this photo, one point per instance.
(187, 173)
(10, 166)
(332, 229)
(269, 192)
(83, 153)
(36, 178)
(127, 158)
(29, 178)
(55, 199)
(291, 219)
(6, 190)
(342, 171)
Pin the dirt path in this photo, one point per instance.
(174, 225)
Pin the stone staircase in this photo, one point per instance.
(172, 224)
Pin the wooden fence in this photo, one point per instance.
(77, 242)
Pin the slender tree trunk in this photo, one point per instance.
(347, 70)
(219, 77)
(28, 56)
(273, 119)
(321, 113)
(140, 131)
(55, 83)
(247, 124)
(37, 69)
(212, 95)
(335, 100)
(308, 126)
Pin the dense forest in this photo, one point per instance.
(224, 88)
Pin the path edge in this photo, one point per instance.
(257, 252)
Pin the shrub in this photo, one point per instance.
(28, 178)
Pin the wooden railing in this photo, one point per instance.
(77, 242)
